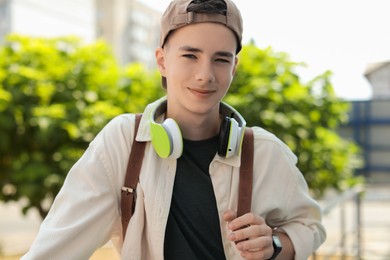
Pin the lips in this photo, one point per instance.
(202, 92)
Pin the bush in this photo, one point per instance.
(55, 95)
(304, 115)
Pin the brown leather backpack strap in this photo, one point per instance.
(128, 196)
(246, 174)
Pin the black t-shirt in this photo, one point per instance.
(193, 228)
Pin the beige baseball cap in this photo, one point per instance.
(177, 16)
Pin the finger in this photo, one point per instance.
(260, 254)
(229, 215)
(250, 232)
(256, 244)
(260, 248)
(240, 234)
(245, 221)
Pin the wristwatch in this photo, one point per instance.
(277, 246)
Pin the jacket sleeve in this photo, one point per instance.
(86, 213)
(301, 216)
(284, 191)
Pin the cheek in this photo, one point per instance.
(226, 76)
(179, 70)
(176, 75)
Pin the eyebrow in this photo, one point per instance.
(197, 50)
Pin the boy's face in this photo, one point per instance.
(198, 62)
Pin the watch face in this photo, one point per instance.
(276, 241)
(277, 246)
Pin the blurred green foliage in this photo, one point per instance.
(57, 94)
(268, 92)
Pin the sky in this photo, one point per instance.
(342, 36)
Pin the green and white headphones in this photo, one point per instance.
(167, 139)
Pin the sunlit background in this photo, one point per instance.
(344, 37)
(347, 37)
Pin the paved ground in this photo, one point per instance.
(17, 232)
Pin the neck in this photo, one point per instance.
(198, 127)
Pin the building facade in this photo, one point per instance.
(378, 74)
(48, 18)
(369, 127)
(131, 28)
(5, 17)
(369, 124)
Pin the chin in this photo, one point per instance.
(204, 108)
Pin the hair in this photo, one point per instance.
(208, 6)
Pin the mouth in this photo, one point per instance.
(202, 92)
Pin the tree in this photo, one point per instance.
(268, 92)
(55, 95)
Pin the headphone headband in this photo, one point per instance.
(224, 109)
(167, 139)
(159, 109)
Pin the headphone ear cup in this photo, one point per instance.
(161, 140)
(233, 138)
(176, 139)
(166, 139)
(224, 133)
(228, 137)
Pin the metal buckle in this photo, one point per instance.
(127, 190)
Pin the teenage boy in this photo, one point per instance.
(188, 187)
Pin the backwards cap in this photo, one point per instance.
(177, 16)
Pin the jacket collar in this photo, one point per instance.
(143, 134)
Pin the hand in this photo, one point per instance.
(253, 237)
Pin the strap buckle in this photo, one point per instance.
(127, 190)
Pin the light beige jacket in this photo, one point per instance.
(86, 212)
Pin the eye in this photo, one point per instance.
(189, 56)
(222, 60)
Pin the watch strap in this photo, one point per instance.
(277, 247)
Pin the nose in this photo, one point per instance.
(205, 72)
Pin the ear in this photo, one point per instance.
(160, 60)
